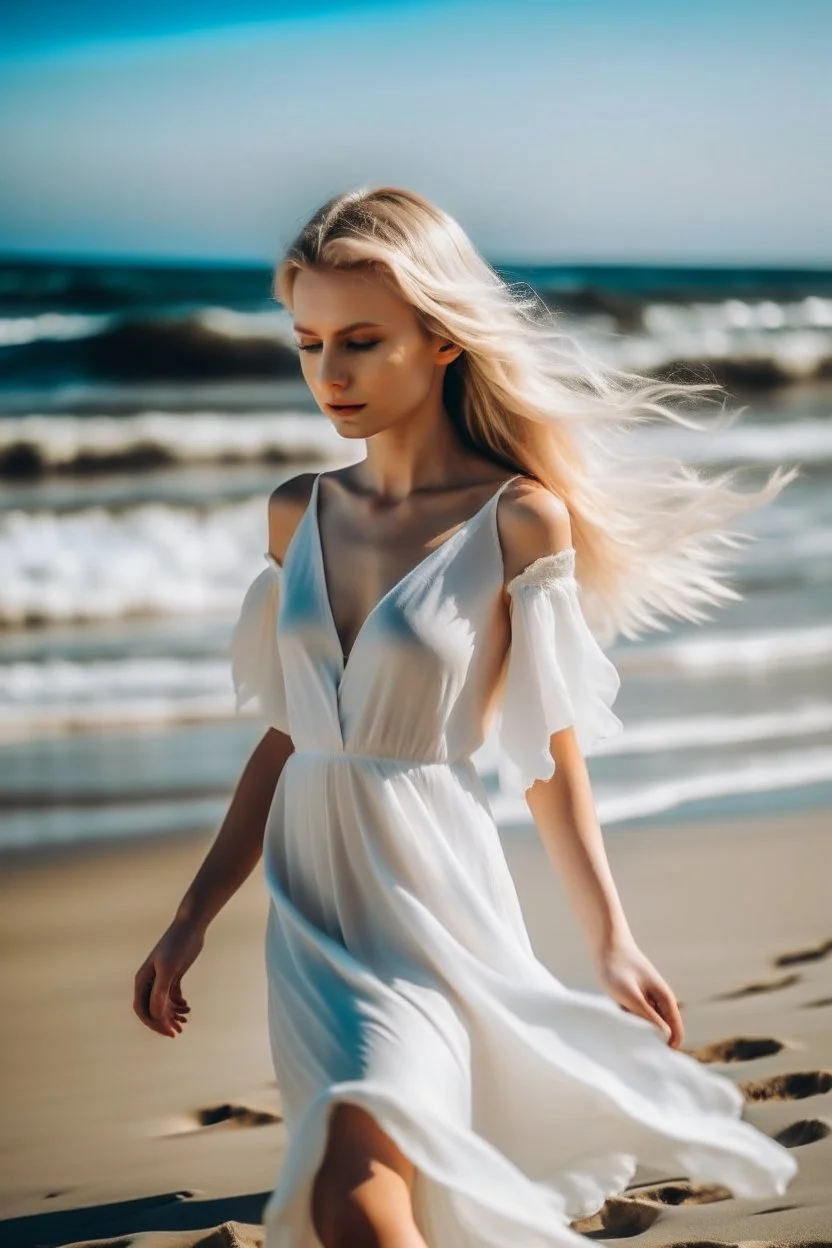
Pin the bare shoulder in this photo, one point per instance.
(532, 522)
(287, 503)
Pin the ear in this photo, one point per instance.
(448, 352)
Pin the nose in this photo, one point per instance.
(332, 370)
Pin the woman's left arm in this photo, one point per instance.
(563, 809)
(533, 522)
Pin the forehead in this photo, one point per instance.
(326, 300)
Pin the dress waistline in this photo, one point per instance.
(388, 759)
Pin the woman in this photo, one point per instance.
(440, 1086)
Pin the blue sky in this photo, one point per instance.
(554, 130)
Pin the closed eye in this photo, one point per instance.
(352, 346)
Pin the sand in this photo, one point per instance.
(116, 1134)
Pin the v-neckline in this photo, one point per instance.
(344, 660)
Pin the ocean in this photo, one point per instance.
(147, 411)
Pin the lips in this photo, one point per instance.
(345, 407)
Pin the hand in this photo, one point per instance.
(631, 979)
(157, 995)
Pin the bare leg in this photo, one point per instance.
(361, 1195)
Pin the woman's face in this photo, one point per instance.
(362, 344)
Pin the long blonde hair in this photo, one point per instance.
(649, 533)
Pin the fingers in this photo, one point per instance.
(642, 1006)
(176, 994)
(641, 990)
(668, 1007)
(159, 1005)
(658, 1005)
(635, 999)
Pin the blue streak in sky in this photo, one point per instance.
(42, 25)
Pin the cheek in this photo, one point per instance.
(405, 371)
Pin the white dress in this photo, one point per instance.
(401, 976)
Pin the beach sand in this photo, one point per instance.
(116, 1134)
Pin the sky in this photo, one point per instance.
(555, 131)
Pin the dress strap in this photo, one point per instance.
(495, 497)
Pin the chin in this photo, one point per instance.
(351, 427)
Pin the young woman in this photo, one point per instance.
(440, 1086)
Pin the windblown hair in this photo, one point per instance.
(649, 532)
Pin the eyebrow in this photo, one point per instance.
(346, 330)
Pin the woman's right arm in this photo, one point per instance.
(239, 842)
(158, 1000)
(157, 991)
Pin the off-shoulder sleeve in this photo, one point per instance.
(255, 658)
(558, 676)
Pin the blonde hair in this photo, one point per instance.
(649, 533)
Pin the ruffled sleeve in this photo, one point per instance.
(255, 659)
(558, 676)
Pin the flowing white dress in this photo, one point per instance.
(401, 976)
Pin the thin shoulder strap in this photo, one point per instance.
(516, 477)
(496, 496)
(311, 509)
(312, 502)
(491, 508)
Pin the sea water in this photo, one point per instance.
(145, 416)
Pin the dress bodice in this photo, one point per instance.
(436, 658)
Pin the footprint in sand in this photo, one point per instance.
(823, 950)
(638, 1209)
(234, 1115)
(618, 1216)
(680, 1192)
(815, 1005)
(218, 1117)
(763, 985)
(751, 1243)
(738, 1049)
(789, 1087)
(806, 1131)
(635, 1212)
